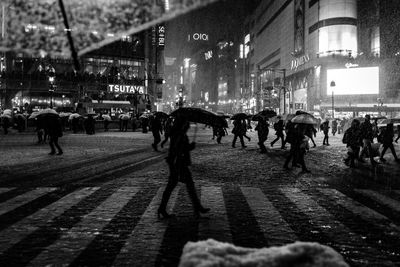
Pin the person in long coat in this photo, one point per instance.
(262, 131)
(387, 136)
(54, 130)
(156, 129)
(367, 137)
(352, 139)
(179, 160)
(239, 130)
(279, 127)
(298, 146)
(325, 128)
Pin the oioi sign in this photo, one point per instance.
(198, 37)
(125, 89)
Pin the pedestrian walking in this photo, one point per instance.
(54, 130)
(311, 132)
(334, 127)
(145, 124)
(156, 129)
(90, 124)
(220, 132)
(40, 130)
(367, 139)
(298, 146)
(325, 129)
(239, 130)
(167, 131)
(352, 139)
(398, 133)
(262, 129)
(279, 127)
(386, 137)
(5, 123)
(179, 160)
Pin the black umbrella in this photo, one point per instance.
(239, 116)
(267, 113)
(161, 114)
(200, 115)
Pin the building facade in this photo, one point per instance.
(322, 55)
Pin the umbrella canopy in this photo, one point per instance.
(5, 116)
(161, 114)
(200, 115)
(275, 118)
(267, 113)
(125, 117)
(239, 116)
(304, 119)
(19, 115)
(65, 114)
(106, 117)
(92, 23)
(48, 112)
(34, 115)
(7, 111)
(288, 117)
(73, 115)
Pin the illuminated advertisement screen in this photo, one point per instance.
(353, 81)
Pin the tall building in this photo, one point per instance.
(325, 55)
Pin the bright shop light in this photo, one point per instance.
(354, 81)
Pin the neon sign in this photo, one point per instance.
(127, 89)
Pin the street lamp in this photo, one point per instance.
(333, 84)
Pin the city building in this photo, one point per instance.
(325, 55)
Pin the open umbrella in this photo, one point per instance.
(288, 117)
(304, 119)
(34, 115)
(5, 116)
(73, 115)
(7, 111)
(125, 117)
(19, 115)
(65, 114)
(161, 114)
(48, 112)
(239, 116)
(106, 117)
(200, 115)
(267, 113)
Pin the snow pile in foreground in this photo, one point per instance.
(300, 254)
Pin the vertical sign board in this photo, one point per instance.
(299, 9)
(161, 36)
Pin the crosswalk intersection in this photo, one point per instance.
(118, 226)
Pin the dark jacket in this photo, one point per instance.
(386, 137)
(352, 137)
(179, 151)
(53, 126)
(366, 130)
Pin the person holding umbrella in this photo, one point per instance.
(325, 128)
(53, 127)
(298, 147)
(239, 130)
(178, 160)
(167, 130)
(262, 132)
(351, 138)
(367, 139)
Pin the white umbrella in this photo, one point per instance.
(34, 115)
(48, 111)
(5, 116)
(7, 111)
(73, 115)
(65, 114)
(125, 117)
(106, 118)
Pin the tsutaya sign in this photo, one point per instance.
(125, 89)
(198, 37)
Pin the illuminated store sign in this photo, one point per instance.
(353, 81)
(161, 35)
(125, 89)
(198, 37)
(299, 61)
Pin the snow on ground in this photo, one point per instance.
(211, 253)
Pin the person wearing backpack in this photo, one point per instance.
(278, 127)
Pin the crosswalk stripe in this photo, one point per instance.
(24, 198)
(359, 209)
(147, 235)
(6, 189)
(21, 229)
(70, 244)
(336, 231)
(217, 225)
(275, 228)
(386, 201)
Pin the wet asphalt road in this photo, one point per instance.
(96, 204)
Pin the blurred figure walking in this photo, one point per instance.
(279, 127)
(367, 139)
(179, 160)
(262, 131)
(387, 136)
(54, 130)
(156, 129)
(352, 139)
(325, 128)
(239, 130)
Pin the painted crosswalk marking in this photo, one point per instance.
(6, 189)
(23, 228)
(69, 245)
(342, 236)
(216, 225)
(358, 208)
(24, 199)
(147, 235)
(274, 227)
(386, 201)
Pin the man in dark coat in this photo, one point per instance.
(179, 160)
(387, 136)
(156, 129)
(352, 138)
(325, 128)
(239, 130)
(54, 130)
(298, 141)
(278, 126)
(367, 137)
(262, 131)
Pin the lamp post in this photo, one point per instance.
(333, 84)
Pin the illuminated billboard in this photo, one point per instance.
(353, 81)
